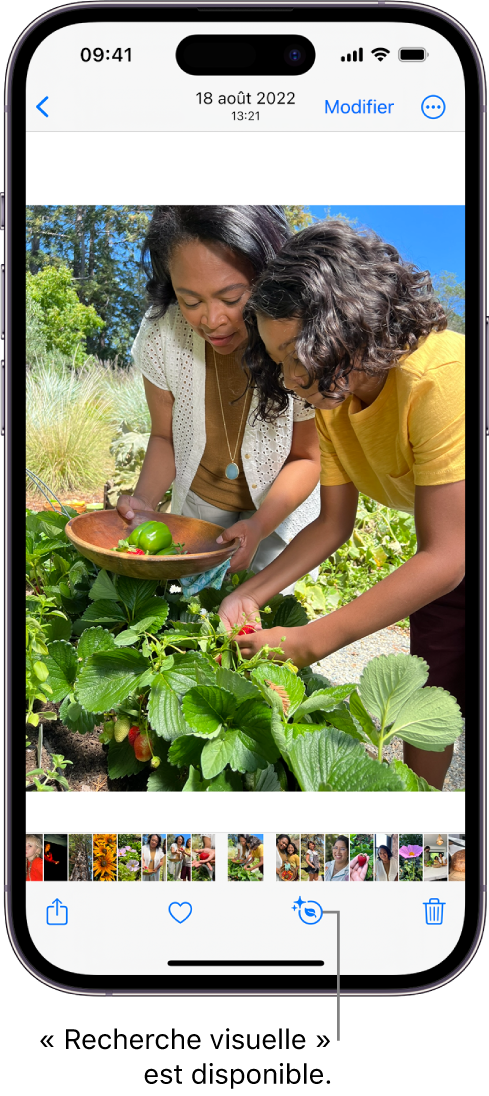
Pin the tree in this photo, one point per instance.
(101, 246)
(451, 295)
(58, 315)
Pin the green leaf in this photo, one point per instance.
(254, 718)
(134, 592)
(324, 700)
(127, 638)
(185, 751)
(195, 782)
(244, 757)
(57, 627)
(388, 681)
(94, 639)
(104, 612)
(313, 681)
(108, 677)
(267, 780)
(329, 760)
(239, 686)
(344, 721)
(290, 614)
(359, 712)
(430, 720)
(226, 782)
(122, 761)
(279, 733)
(216, 754)
(151, 615)
(164, 712)
(76, 718)
(103, 588)
(183, 674)
(62, 664)
(41, 671)
(284, 678)
(207, 708)
(165, 778)
(412, 782)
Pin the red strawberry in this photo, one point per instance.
(142, 748)
(362, 860)
(133, 734)
(247, 630)
(218, 659)
(136, 552)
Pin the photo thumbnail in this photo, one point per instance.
(153, 857)
(336, 858)
(245, 857)
(456, 849)
(203, 857)
(34, 851)
(312, 857)
(179, 858)
(198, 379)
(80, 857)
(288, 857)
(435, 857)
(386, 857)
(411, 857)
(55, 857)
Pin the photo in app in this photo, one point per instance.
(411, 857)
(179, 858)
(153, 856)
(386, 857)
(456, 849)
(336, 858)
(245, 857)
(105, 857)
(213, 367)
(55, 857)
(128, 857)
(288, 853)
(203, 857)
(361, 857)
(34, 858)
(435, 859)
(80, 857)
(312, 857)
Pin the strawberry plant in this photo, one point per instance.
(176, 698)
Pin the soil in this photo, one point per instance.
(88, 771)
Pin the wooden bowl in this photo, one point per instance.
(95, 534)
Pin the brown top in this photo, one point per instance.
(210, 482)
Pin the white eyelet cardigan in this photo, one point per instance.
(172, 356)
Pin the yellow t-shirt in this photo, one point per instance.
(257, 854)
(411, 435)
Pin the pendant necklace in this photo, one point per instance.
(231, 471)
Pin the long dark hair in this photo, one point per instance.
(357, 302)
(255, 233)
(388, 851)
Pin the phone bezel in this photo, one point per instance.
(15, 398)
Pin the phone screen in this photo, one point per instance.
(245, 310)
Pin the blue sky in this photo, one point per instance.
(430, 236)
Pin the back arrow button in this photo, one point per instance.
(39, 106)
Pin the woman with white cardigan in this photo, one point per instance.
(257, 479)
(153, 855)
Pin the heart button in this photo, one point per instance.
(180, 911)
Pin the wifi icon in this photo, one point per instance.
(380, 52)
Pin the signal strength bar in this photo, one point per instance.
(355, 56)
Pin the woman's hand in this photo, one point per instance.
(290, 640)
(239, 609)
(250, 537)
(357, 873)
(128, 504)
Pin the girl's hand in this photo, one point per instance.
(290, 640)
(250, 538)
(128, 504)
(238, 608)
(357, 873)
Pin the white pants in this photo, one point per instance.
(268, 549)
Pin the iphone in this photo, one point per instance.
(235, 318)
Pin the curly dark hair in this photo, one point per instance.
(255, 233)
(357, 300)
(150, 835)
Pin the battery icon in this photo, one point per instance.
(412, 54)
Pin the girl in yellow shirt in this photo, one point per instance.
(340, 319)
